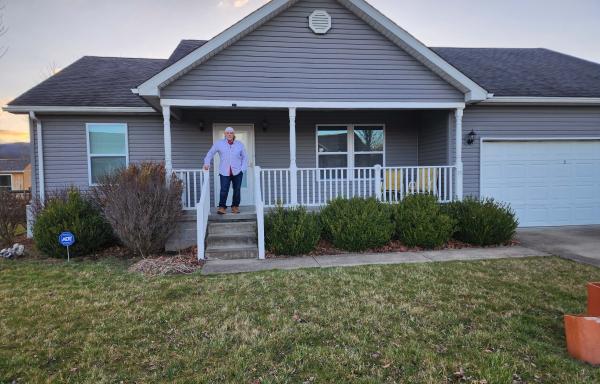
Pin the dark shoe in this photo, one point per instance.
(235, 210)
(221, 211)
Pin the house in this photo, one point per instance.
(15, 174)
(332, 99)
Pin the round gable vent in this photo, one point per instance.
(319, 22)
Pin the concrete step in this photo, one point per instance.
(219, 228)
(230, 217)
(231, 239)
(233, 252)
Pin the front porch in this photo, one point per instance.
(308, 157)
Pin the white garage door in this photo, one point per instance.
(546, 182)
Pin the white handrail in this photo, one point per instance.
(260, 213)
(202, 211)
(192, 180)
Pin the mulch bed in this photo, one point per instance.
(325, 248)
(184, 263)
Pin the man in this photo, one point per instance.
(234, 162)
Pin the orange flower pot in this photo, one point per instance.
(593, 299)
(583, 338)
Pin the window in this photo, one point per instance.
(5, 182)
(107, 149)
(341, 146)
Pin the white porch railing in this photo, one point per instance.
(192, 181)
(202, 211)
(317, 186)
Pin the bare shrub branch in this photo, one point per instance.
(12, 215)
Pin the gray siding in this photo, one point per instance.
(284, 60)
(523, 122)
(433, 138)
(65, 148)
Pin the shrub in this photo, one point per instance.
(420, 222)
(291, 231)
(12, 216)
(357, 224)
(75, 214)
(141, 206)
(483, 222)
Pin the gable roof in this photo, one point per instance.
(184, 48)
(362, 9)
(525, 71)
(93, 81)
(13, 165)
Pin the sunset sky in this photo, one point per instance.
(43, 34)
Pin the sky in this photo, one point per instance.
(45, 35)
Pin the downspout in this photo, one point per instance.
(40, 154)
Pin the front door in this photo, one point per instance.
(245, 134)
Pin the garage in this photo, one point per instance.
(548, 182)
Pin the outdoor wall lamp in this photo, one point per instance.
(201, 124)
(265, 124)
(471, 137)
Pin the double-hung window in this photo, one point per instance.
(107, 149)
(352, 145)
(5, 182)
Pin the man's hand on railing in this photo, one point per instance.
(206, 167)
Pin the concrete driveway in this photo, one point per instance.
(578, 243)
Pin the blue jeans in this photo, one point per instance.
(237, 184)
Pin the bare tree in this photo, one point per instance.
(50, 70)
(3, 30)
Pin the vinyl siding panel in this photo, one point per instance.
(505, 121)
(284, 60)
(433, 138)
(65, 147)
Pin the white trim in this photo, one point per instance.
(370, 15)
(518, 100)
(10, 187)
(309, 104)
(350, 152)
(40, 154)
(166, 112)
(458, 124)
(67, 109)
(89, 159)
(538, 138)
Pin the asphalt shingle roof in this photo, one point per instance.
(94, 81)
(107, 81)
(13, 165)
(526, 71)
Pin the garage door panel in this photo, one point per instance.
(546, 182)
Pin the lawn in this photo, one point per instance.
(475, 322)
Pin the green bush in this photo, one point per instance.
(292, 231)
(483, 222)
(420, 222)
(76, 214)
(357, 224)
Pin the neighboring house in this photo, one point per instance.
(323, 92)
(15, 174)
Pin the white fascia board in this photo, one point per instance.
(151, 86)
(67, 109)
(308, 104)
(525, 100)
(474, 92)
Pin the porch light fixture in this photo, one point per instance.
(471, 137)
(201, 124)
(265, 124)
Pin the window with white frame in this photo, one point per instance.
(107, 149)
(355, 145)
(6, 182)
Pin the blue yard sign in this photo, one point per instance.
(66, 239)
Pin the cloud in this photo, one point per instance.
(13, 128)
(233, 3)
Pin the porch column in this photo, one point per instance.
(293, 166)
(458, 115)
(167, 139)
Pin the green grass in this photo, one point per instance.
(95, 322)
